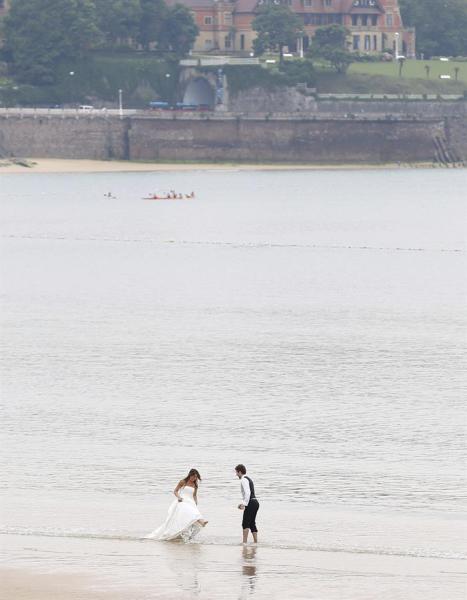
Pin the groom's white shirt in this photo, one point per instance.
(245, 487)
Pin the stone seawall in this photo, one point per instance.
(300, 99)
(275, 140)
(323, 139)
(57, 137)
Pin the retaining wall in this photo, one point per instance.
(226, 137)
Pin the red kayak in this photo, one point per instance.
(185, 197)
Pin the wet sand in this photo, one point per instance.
(97, 569)
(59, 165)
(19, 584)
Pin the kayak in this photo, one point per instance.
(164, 198)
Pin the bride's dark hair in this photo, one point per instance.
(190, 473)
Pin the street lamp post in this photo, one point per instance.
(120, 103)
(169, 97)
(300, 46)
(72, 87)
(396, 35)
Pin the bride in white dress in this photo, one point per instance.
(183, 519)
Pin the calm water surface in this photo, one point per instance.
(309, 324)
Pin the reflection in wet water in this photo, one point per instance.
(249, 571)
(185, 562)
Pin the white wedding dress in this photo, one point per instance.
(181, 519)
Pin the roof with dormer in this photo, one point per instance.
(367, 7)
(246, 6)
(318, 6)
(193, 4)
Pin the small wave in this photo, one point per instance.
(313, 246)
(412, 553)
(74, 534)
(252, 245)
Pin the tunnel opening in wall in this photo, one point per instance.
(199, 92)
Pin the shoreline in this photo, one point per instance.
(65, 165)
(178, 571)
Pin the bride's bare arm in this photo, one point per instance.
(195, 496)
(177, 489)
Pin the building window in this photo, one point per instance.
(364, 3)
(356, 42)
(367, 42)
(317, 19)
(242, 41)
(288, 2)
(375, 42)
(327, 2)
(364, 20)
(228, 18)
(354, 20)
(374, 20)
(207, 44)
(208, 20)
(227, 42)
(389, 20)
(308, 3)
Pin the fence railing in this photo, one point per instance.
(397, 97)
(66, 112)
(214, 61)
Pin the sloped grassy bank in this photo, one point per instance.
(141, 78)
(145, 77)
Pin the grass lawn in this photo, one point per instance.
(383, 78)
(414, 69)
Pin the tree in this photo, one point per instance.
(179, 30)
(153, 16)
(41, 34)
(119, 20)
(277, 26)
(330, 43)
(441, 26)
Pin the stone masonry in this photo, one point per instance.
(315, 139)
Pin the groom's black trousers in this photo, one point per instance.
(249, 515)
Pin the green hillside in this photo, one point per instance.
(418, 77)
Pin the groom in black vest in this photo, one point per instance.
(249, 504)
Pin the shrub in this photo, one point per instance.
(100, 79)
(288, 74)
(299, 71)
(370, 58)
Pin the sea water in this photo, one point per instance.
(310, 324)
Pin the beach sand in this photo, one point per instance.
(60, 165)
(21, 584)
(60, 568)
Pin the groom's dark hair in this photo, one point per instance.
(241, 469)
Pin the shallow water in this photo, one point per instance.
(308, 324)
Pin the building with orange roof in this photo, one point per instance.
(225, 26)
(375, 25)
